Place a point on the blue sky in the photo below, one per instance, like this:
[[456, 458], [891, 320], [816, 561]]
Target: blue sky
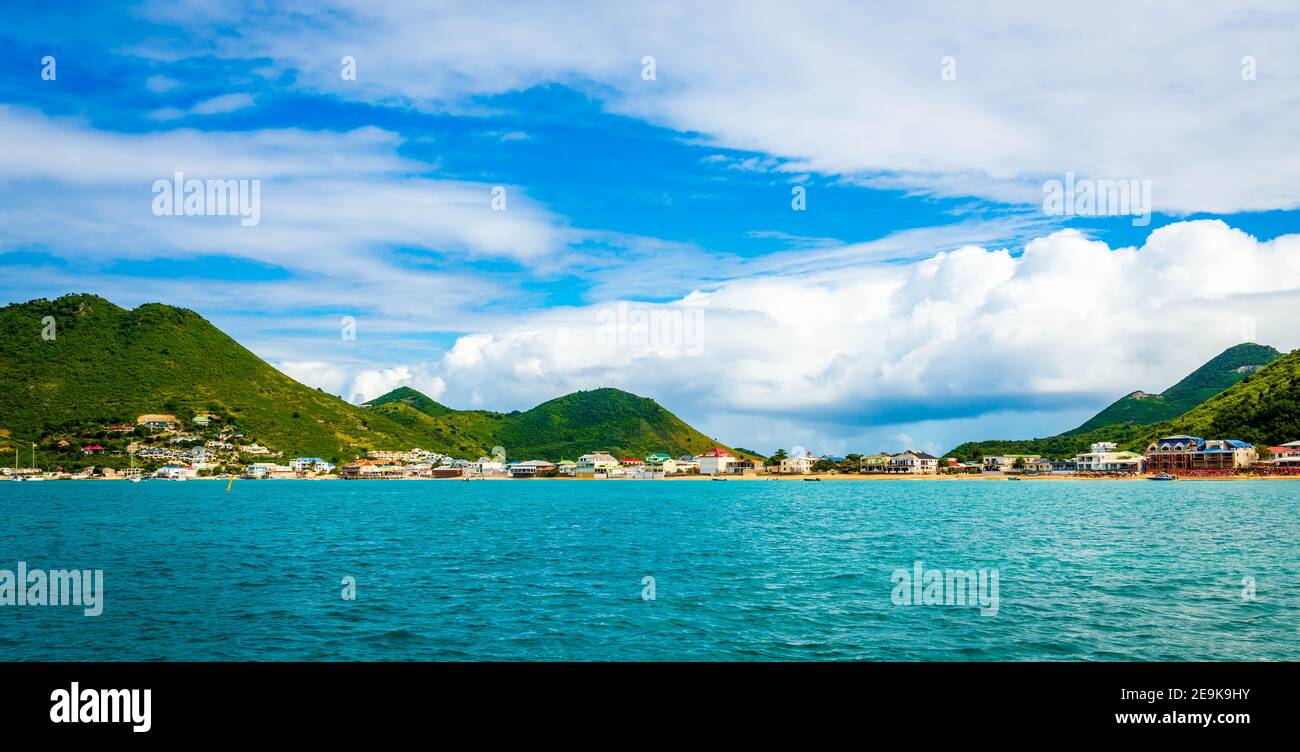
[[923, 297]]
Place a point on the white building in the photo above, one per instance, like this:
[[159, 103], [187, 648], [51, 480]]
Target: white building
[[660, 462], [798, 465], [175, 472], [913, 462], [1103, 457], [1007, 462], [487, 466], [310, 465], [715, 461]]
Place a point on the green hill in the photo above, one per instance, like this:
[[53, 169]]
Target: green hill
[[1229, 367], [107, 365], [1263, 408], [563, 428], [405, 395], [1129, 420]]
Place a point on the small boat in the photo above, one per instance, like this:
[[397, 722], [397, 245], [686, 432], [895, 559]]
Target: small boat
[[812, 478], [716, 478], [1015, 478], [1163, 476]]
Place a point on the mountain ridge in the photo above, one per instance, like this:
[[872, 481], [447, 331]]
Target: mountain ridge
[[99, 364], [1128, 420]]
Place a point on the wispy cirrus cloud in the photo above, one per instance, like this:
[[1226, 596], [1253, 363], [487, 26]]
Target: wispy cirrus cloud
[[839, 89]]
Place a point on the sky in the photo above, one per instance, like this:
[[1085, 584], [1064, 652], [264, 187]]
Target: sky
[[821, 224]]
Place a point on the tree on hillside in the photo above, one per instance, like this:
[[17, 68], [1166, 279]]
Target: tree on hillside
[[776, 457]]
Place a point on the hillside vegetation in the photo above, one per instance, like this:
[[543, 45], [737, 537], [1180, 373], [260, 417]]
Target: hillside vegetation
[[1221, 372], [1131, 419], [1263, 408], [107, 365], [563, 428]]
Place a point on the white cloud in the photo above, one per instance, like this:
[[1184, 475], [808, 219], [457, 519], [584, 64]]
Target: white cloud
[[1106, 90], [327, 198], [1057, 331], [160, 84], [218, 105]]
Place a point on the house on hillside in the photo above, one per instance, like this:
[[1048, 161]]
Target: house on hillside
[[159, 422]]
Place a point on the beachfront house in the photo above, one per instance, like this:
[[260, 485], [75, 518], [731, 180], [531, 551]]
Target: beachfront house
[[746, 467], [914, 462], [530, 468], [875, 463], [798, 464], [1104, 457], [567, 468], [715, 461], [1284, 458], [596, 463], [370, 470], [660, 462], [175, 472], [1008, 463], [1192, 454], [308, 465]]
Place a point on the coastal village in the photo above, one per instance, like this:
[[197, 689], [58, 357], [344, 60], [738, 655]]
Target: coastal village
[[162, 446]]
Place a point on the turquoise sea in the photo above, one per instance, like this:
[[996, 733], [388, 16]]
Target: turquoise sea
[[743, 570]]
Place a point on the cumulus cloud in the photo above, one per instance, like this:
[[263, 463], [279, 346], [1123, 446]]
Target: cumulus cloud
[[1059, 329], [1110, 90]]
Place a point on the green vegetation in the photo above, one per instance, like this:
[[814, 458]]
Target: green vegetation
[[1228, 368], [107, 366], [1129, 421], [1263, 408], [405, 395], [563, 428]]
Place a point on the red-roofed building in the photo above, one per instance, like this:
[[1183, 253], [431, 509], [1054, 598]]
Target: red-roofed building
[[92, 449], [715, 461]]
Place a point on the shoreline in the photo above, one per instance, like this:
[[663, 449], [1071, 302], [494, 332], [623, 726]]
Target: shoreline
[[701, 478]]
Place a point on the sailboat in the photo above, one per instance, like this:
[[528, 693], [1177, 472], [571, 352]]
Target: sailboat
[[133, 474], [16, 476], [38, 475]]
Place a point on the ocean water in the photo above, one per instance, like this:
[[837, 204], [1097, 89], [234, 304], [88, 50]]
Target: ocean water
[[744, 570]]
